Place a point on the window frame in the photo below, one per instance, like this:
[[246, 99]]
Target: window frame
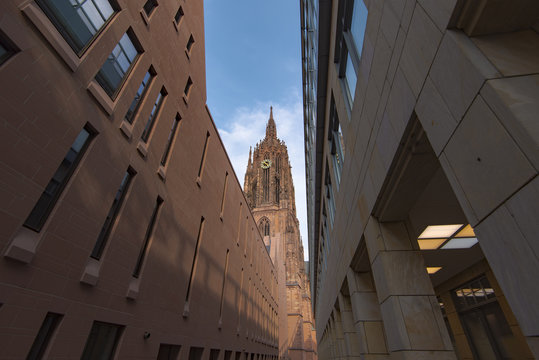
[[92, 133], [9, 47], [130, 120], [118, 336], [45, 8], [140, 50]]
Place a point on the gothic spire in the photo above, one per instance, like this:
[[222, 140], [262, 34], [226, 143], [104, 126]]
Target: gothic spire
[[271, 130]]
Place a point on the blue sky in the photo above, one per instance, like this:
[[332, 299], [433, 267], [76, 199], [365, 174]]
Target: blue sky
[[253, 61]]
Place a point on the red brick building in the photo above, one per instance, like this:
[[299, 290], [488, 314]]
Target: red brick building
[[124, 231]]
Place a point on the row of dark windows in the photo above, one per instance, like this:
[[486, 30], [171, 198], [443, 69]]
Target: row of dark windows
[[79, 22], [103, 340]]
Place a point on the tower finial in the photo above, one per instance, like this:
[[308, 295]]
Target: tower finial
[[271, 130]]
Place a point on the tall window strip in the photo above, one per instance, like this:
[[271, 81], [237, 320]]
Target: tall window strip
[[239, 225], [42, 209], [188, 86], [141, 92], [240, 300], [224, 194], [79, 21], [114, 71], [44, 335], [7, 49], [112, 215], [265, 183], [153, 115], [203, 159], [277, 190], [179, 16], [223, 288], [147, 237], [190, 44], [171, 136], [337, 143], [352, 21], [150, 6], [102, 341], [195, 259]]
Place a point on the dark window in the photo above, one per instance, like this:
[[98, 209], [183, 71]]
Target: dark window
[[78, 21], [150, 6], [223, 288], [113, 213], [179, 15], [188, 86], [130, 115], [56, 185], [44, 335], [153, 115], [120, 61], [195, 353], [190, 43], [228, 355], [337, 142], [7, 49], [168, 352], [171, 136], [195, 258], [214, 354], [102, 341], [149, 232], [224, 193], [202, 160]]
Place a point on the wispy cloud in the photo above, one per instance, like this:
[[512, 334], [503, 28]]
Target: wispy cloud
[[248, 125]]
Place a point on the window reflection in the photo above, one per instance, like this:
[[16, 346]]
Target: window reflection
[[78, 20]]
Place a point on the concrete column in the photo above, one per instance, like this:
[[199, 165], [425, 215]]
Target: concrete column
[[351, 339], [339, 334], [366, 314], [413, 321]]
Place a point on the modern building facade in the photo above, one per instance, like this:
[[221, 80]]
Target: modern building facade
[[124, 231], [269, 190], [424, 192]]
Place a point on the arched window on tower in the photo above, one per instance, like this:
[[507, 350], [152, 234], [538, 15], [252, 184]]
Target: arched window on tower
[[264, 226]]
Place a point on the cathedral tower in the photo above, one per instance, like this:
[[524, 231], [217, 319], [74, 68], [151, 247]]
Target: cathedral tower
[[270, 194]]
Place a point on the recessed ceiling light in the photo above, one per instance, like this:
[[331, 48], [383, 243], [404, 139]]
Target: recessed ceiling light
[[439, 231], [430, 244], [460, 243], [466, 232], [433, 269]]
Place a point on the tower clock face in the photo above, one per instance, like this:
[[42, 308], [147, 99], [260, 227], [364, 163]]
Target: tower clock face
[[265, 164]]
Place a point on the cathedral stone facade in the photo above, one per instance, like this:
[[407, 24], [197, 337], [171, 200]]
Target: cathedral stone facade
[[270, 194]]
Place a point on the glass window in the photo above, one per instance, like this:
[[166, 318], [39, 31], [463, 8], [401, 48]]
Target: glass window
[[44, 335], [78, 20], [175, 123], [179, 15], [102, 341], [190, 43], [351, 78], [149, 232], [359, 23], [168, 352], [153, 114], [111, 216], [129, 116], [118, 64], [6, 51], [56, 185], [188, 86], [195, 353], [150, 6]]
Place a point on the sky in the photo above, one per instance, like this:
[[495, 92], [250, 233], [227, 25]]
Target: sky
[[253, 61]]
